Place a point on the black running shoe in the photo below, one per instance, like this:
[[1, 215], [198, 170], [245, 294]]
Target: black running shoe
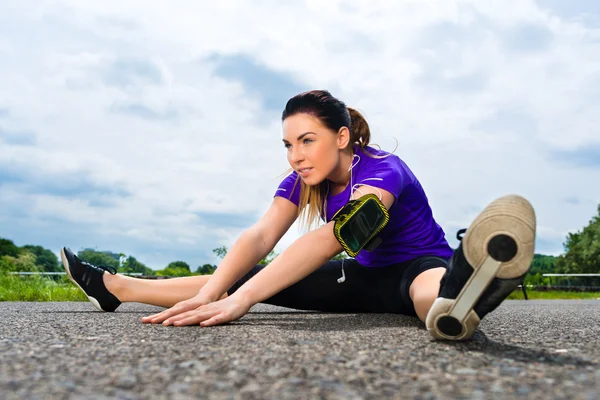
[[88, 278], [491, 261]]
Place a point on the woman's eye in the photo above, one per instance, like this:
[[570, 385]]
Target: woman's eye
[[307, 141], [287, 145]]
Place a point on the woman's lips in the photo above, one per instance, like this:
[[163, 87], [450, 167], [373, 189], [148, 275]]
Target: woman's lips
[[304, 171]]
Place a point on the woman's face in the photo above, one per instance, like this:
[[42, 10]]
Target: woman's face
[[312, 149]]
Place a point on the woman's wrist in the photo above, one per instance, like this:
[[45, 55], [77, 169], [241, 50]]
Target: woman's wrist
[[244, 297], [208, 294]]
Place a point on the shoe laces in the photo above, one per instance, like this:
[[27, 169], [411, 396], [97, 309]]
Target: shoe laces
[[460, 234], [111, 270]]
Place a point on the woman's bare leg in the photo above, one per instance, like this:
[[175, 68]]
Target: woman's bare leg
[[425, 289], [160, 292]]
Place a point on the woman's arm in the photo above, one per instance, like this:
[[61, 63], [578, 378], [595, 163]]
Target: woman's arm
[[304, 256], [252, 246], [300, 259]]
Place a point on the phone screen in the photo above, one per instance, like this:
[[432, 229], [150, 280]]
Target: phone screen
[[358, 229]]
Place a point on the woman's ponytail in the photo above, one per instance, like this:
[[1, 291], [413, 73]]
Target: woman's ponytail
[[359, 128]]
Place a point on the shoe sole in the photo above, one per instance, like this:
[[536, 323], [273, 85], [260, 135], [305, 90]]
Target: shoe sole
[[498, 244], [68, 270]]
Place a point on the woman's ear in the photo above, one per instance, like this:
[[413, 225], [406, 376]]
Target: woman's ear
[[343, 137]]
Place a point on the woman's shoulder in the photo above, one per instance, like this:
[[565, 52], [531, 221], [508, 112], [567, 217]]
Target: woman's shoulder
[[377, 158], [289, 187]]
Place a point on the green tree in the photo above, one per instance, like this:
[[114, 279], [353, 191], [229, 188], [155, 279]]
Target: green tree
[[7, 264], [268, 258], [536, 279], [179, 264], [542, 264], [170, 271], [25, 262], [206, 269], [132, 265], [582, 252], [44, 258], [8, 248], [99, 257], [220, 251]]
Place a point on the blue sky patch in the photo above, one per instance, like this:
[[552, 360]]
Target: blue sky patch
[[126, 72], [550, 247], [72, 185], [22, 138], [571, 9], [228, 220], [141, 111], [274, 88], [528, 38], [431, 79], [507, 120], [588, 157]]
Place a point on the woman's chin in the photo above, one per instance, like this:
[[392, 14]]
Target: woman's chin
[[310, 181]]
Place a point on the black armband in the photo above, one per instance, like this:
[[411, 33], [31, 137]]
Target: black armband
[[358, 223]]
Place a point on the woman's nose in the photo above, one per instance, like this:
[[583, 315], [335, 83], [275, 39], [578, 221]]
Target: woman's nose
[[296, 155]]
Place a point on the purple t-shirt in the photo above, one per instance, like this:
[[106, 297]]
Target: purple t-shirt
[[411, 232]]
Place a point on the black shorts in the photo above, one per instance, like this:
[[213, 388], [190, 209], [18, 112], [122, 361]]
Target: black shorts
[[372, 290]]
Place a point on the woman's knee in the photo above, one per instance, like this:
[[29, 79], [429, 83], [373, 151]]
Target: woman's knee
[[425, 289]]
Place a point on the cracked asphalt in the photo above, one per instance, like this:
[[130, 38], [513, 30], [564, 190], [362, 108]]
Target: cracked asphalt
[[524, 349]]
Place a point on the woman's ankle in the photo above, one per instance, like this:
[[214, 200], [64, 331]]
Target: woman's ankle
[[116, 285]]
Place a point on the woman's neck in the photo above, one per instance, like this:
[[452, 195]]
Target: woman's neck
[[340, 177]]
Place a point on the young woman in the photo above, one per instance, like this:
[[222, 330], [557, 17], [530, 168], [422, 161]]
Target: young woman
[[413, 271]]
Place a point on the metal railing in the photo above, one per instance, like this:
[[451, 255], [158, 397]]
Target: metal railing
[[64, 273], [574, 281], [570, 274]]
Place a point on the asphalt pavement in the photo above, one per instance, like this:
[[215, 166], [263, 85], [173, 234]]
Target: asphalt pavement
[[524, 349]]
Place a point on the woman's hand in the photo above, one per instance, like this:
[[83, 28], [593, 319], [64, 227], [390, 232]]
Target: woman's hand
[[183, 306], [220, 312]]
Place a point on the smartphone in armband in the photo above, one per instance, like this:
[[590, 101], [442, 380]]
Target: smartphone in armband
[[358, 223]]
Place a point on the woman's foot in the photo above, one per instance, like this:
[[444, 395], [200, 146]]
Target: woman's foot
[[89, 278], [490, 262]]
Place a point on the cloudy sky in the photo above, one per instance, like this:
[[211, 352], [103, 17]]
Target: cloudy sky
[[152, 128]]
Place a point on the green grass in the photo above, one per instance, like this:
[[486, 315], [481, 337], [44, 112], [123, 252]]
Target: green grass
[[554, 295], [34, 288]]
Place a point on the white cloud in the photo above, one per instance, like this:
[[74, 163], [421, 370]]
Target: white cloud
[[129, 96]]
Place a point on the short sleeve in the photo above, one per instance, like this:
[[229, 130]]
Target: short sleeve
[[290, 188], [384, 173]]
